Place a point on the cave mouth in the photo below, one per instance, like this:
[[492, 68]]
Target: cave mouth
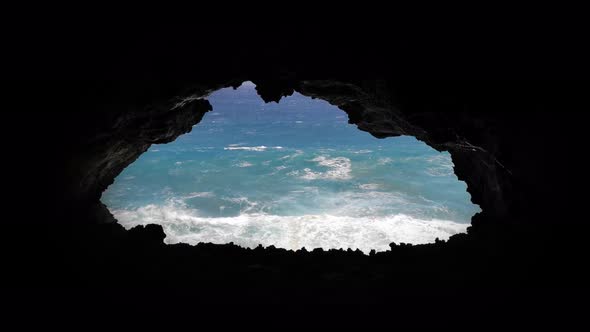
[[293, 175]]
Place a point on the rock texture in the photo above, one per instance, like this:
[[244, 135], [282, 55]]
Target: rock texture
[[516, 143], [526, 238], [103, 157], [372, 105], [476, 122]]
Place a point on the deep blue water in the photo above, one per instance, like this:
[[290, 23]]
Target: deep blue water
[[291, 174]]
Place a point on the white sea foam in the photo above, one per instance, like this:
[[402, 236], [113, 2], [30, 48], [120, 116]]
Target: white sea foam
[[439, 171], [199, 194], [365, 203], [244, 164], [369, 186], [443, 165], [246, 206], [362, 151], [247, 148], [251, 148], [339, 169], [384, 161], [291, 156], [290, 232]]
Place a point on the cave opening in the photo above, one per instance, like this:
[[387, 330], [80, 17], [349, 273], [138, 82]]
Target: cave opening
[[293, 174]]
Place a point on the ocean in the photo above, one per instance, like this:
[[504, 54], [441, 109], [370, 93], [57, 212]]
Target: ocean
[[293, 174]]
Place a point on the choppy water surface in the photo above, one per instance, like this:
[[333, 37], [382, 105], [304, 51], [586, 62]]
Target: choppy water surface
[[293, 174]]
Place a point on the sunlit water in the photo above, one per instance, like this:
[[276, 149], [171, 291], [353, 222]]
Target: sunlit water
[[292, 175]]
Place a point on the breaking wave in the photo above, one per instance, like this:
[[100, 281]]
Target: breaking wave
[[182, 224], [339, 169]]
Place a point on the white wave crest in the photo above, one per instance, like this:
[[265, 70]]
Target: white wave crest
[[199, 194], [246, 205], [247, 148], [369, 186], [290, 232], [339, 169], [291, 156], [384, 161], [443, 165], [259, 148], [362, 151], [244, 164]]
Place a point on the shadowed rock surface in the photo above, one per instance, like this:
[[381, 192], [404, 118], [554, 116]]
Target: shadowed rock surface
[[517, 144]]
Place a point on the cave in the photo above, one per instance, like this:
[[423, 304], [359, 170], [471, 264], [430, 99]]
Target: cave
[[509, 113], [291, 175]]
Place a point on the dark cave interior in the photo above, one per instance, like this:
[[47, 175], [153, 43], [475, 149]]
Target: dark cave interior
[[516, 143], [511, 246]]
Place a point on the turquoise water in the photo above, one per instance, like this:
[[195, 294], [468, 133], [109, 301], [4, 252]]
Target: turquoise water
[[293, 174]]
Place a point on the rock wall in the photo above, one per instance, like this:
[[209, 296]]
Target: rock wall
[[382, 108], [79, 117]]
